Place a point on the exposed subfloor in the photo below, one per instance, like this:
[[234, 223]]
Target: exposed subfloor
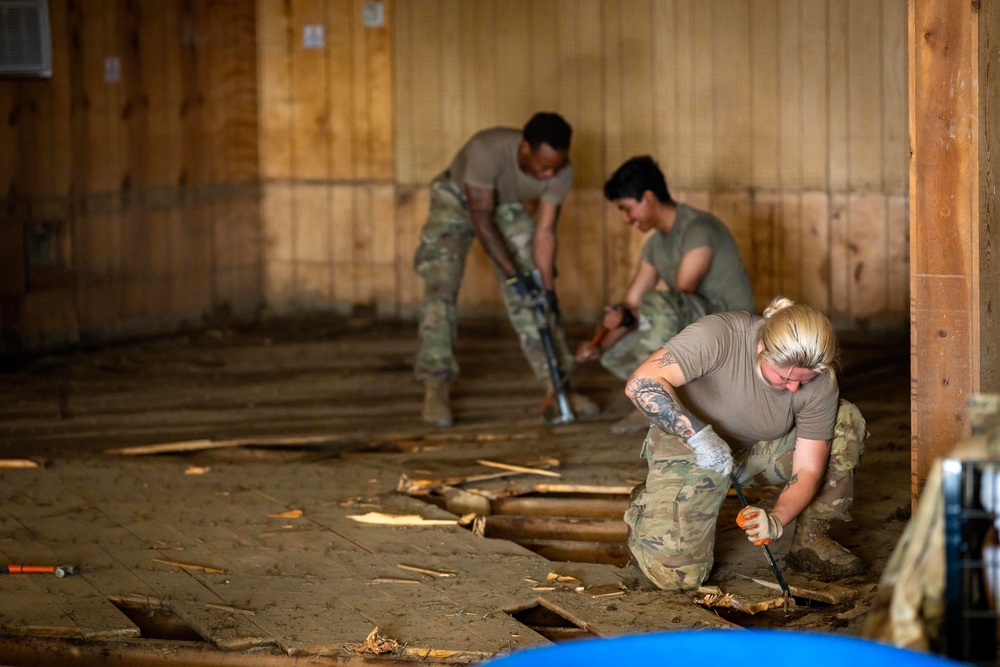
[[243, 544]]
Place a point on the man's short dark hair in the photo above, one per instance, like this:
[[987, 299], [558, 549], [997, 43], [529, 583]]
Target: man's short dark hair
[[634, 177], [548, 128]]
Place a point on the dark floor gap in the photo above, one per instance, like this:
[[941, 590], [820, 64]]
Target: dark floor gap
[[156, 620], [551, 625]]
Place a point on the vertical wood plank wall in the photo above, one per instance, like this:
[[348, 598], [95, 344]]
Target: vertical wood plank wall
[[233, 168], [153, 176], [786, 118]]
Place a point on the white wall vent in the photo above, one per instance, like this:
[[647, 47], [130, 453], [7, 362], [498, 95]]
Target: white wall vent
[[25, 42]]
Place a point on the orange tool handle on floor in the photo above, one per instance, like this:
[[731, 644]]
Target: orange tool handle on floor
[[58, 570]]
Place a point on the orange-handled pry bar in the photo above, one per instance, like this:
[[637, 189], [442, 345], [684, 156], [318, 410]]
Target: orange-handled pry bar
[[58, 570], [770, 557]]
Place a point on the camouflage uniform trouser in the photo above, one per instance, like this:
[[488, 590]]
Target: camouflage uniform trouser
[[440, 260], [662, 314], [672, 517]]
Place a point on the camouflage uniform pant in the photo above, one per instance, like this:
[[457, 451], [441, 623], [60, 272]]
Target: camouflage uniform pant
[[662, 314], [440, 260], [672, 517]]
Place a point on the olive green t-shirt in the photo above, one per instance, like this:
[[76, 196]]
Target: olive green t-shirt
[[489, 160], [727, 284], [717, 355]]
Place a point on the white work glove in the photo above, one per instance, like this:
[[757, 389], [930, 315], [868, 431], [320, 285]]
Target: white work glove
[[761, 526], [711, 451]]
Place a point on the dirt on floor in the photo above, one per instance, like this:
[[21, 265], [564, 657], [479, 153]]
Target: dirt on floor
[[321, 416]]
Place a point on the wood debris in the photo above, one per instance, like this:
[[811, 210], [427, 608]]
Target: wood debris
[[290, 514], [189, 566], [712, 597], [521, 469], [17, 463], [377, 644], [828, 593], [196, 470], [421, 570], [400, 519]]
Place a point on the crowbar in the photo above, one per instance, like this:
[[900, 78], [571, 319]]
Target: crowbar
[[785, 591]]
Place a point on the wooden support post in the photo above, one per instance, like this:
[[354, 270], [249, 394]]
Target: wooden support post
[[953, 171]]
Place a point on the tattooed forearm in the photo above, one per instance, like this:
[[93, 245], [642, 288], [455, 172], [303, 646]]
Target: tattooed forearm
[[792, 480], [656, 403], [666, 359]]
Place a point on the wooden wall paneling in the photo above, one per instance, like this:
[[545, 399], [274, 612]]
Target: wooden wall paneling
[[864, 95], [430, 154], [943, 196], [134, 52], [30, 162], [897, 258], [764, 99], [731, 107], [815, 140], [837, 100], [790, 130], [277, 213], [364, 246], [895, 117], [841, 258], [513, 49], [192, 289], [663, 82], [989, 169], [633, 59], [309, 93], [451, 82], [790, 247], [736, 209], [618, 257], [9, 110], [378, 51], [703, 123], [472, 66], [404, 96], [361, 129], [546, 74], [761, 261], [59, 128], [814, 261], [311, 223], [591, 167], [581, 283], [339, 90], [237, 280], [384, 239], [678, 166], [274, 28], [868, 246], [239, 93], [343, 219], [150, 88], [194, 61]]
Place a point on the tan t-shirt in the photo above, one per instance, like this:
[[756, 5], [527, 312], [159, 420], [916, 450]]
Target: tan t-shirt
[[717, 356], [489, 160]]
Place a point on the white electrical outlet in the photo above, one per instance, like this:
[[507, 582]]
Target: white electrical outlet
[[312, 36], [372, 14], [112, 69]]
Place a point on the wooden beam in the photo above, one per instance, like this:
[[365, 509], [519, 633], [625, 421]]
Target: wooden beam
[[949, 240]]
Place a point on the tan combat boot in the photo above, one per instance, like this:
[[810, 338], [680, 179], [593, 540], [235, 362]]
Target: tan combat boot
[[815, 552], [437, 411], [635, 422]]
